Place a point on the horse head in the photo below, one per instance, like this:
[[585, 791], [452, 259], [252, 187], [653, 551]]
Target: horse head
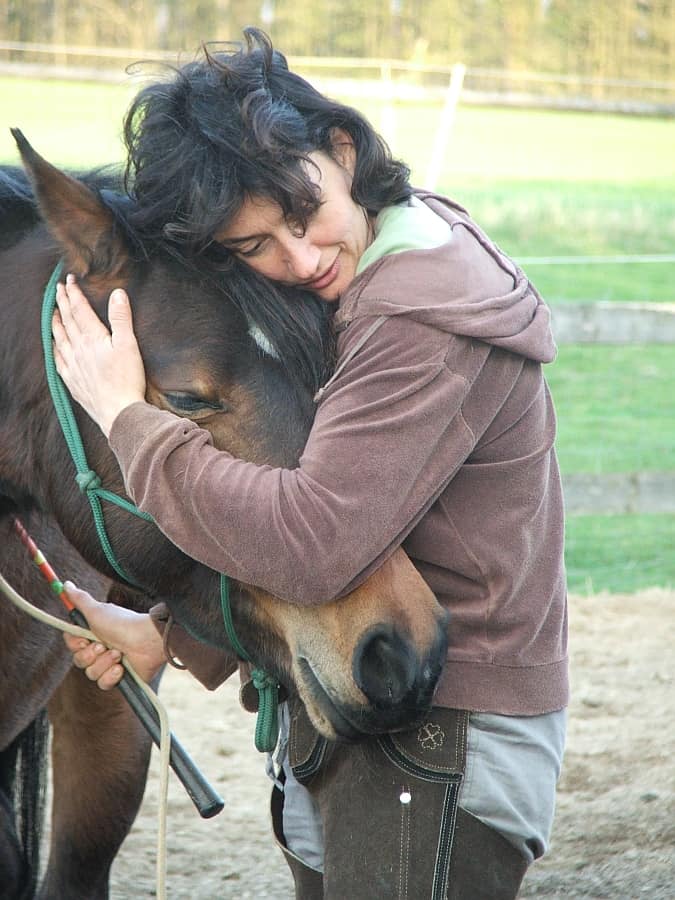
[[365, 663]]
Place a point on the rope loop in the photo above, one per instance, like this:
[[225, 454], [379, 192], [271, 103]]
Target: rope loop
[[88, 481]]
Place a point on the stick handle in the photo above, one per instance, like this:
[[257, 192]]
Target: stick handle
[[204, 797], [201, 793]]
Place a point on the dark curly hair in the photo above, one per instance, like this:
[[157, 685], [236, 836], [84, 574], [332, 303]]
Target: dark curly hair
[[240, 123]]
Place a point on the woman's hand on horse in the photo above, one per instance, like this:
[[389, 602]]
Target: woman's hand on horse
[[103, 370], [130, 633]]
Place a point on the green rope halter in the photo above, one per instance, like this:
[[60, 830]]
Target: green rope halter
[[87, 480], [267, 722], [267, 729]]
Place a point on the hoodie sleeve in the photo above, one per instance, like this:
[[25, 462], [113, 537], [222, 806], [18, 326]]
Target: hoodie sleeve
[[388, 436]]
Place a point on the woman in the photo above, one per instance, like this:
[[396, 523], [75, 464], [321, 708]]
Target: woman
[[436, 432]]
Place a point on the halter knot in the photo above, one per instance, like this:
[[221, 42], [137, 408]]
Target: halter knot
[[267, 723], [88, 481], [262, 681]]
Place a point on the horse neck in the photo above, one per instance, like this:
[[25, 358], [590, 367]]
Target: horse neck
[[28, 425]]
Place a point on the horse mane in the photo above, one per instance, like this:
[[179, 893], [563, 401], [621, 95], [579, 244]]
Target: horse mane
[[296, 323], [16, 193], [14, 186], [18, 212]]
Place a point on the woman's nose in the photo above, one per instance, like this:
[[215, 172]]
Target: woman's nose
[[303, 258]]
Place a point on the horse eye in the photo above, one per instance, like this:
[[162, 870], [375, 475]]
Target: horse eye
[[190, 403]]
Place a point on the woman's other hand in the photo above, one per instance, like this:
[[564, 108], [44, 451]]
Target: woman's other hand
[[129, 633], [102, 370]]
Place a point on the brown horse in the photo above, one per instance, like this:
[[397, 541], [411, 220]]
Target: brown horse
[[207, 358]]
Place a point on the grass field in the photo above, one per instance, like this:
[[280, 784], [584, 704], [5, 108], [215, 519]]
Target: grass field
[[621, 554], [73, 124], [542, 184], [615, 407]]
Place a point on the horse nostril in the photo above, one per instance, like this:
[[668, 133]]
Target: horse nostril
[[385, 667]]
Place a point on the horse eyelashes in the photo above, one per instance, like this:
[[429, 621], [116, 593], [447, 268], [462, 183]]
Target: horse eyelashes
[[189, 403]]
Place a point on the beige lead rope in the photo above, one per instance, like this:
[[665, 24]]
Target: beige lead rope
[[165, 744]]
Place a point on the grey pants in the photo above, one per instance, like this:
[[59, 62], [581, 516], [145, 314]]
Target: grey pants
[[426, 812]]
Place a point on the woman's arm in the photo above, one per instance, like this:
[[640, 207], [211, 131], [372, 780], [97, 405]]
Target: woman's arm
[[387, 438]]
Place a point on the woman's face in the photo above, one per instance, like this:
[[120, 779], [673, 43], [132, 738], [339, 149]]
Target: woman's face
[[324, 258]]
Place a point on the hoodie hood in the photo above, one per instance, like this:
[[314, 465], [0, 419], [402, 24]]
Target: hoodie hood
[[465, 286]]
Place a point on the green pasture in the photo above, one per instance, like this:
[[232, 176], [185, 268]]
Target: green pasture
[[576, 218], [542, 184], [73, 124], [615, 407], [615, 414], [620, 554]]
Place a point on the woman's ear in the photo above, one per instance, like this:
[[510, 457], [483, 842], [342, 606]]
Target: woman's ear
[[342, 149]]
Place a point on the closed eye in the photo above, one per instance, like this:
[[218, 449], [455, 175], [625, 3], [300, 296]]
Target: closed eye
[[191, 403], [251, 249], [246, 246]]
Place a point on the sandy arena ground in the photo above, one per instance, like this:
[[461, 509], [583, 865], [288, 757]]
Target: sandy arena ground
[[615, 829]]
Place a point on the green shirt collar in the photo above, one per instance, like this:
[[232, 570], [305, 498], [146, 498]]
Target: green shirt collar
[[409, 226]]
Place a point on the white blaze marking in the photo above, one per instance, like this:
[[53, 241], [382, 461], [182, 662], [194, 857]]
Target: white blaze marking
[[263, 341]]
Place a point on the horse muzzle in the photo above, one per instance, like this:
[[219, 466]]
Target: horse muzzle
[[391, 674], [392, 689]]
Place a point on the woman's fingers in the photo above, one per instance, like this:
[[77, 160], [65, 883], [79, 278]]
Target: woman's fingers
[[96, 659], [61, 343], [105, 669], [75, 643], [63, 306], [99, 663], [110, 678], [58, 331], [133, 633], [102, 369], [76, 311], [121, 320]]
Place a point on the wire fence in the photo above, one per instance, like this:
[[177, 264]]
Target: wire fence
[[597, 260], [382, 79]]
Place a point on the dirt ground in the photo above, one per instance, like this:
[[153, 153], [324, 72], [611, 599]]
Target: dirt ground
[[615, 828]]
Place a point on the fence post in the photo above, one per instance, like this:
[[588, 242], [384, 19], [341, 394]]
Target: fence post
[[445, 126]]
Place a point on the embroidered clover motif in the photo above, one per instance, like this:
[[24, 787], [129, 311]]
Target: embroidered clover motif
[[431, 736]]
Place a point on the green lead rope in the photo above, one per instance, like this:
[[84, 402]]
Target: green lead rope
[[267, 727], [87, 480], [267, 722]]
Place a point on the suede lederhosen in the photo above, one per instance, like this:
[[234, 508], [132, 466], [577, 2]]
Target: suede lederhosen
[[391, 820]]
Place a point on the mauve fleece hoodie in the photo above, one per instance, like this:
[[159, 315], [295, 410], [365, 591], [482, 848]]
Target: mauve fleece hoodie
[[436, 434]]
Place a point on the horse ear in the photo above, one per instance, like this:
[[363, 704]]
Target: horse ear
[[75, 215]]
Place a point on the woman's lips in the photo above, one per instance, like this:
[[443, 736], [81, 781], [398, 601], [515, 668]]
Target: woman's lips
[[328, 277]]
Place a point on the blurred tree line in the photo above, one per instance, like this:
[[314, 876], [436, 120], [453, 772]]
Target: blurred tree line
[[600, 38]]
